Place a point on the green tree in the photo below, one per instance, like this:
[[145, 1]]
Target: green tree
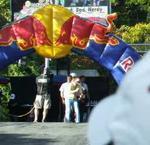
[[29, 66], [4, 101], [5, 15], [135, 34], [132, 11]]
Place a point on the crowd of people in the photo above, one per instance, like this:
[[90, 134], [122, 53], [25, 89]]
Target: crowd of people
[[73, 93]]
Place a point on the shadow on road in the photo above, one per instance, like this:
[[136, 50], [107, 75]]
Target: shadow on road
[[22, 139]]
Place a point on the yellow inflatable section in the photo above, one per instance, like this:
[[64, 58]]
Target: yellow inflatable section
[[54, 18]]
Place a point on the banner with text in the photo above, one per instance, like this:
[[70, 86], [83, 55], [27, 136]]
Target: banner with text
[[91, 11], [82, 8]]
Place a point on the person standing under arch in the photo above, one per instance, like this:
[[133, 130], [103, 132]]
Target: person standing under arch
[[42, 100], [70, 92], [84, 99]]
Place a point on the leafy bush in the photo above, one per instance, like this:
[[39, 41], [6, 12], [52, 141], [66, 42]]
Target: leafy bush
[[5, 12], [4, 113], [140, 33], [4, 116]]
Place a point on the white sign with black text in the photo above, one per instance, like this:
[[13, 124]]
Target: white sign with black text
[[97, 11]]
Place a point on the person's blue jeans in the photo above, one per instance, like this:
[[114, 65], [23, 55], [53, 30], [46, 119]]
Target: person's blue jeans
[[72, 104]]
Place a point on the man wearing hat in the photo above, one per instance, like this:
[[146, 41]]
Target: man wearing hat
[[71, 91]]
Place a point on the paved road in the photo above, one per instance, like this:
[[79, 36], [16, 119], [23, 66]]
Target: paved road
[[28, 133]]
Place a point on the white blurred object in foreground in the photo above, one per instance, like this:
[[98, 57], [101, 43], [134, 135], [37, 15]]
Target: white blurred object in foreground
[[124, 118]]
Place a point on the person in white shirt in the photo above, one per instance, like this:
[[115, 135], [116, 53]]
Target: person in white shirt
[[70, 92], [63, 89]]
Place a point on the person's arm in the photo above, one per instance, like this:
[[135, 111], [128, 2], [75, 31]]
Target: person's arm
[[74, 88], [62, 93], [79, 93], [62, 98], [74, 91]]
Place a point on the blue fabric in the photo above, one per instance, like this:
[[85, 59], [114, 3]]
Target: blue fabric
[[118, 71], [112, 53], [112, 56], [9, 54], [94, 50]]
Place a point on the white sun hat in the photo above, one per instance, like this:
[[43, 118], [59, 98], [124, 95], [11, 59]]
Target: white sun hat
[[73, 74]]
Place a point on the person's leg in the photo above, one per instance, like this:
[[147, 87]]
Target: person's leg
[[37, 106], [81, 111], [36, 114], [85, 113], [77, 112], [45, 112], [67, 110], [46, 106]]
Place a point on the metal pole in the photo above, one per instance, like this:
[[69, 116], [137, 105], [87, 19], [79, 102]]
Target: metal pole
[[46, 65], [46, 62]]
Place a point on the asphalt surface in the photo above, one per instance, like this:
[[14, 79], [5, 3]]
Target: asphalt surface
[[28, 133]]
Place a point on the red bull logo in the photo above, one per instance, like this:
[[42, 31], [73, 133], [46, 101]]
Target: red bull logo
[[80, 32], [65, 32], [127, 64], [28, 33], [53, 35], [75, 32]]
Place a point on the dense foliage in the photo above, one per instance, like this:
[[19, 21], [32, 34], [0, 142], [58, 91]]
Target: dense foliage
[[139, 33], [4, 102], [131, 12], [5, 15]]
